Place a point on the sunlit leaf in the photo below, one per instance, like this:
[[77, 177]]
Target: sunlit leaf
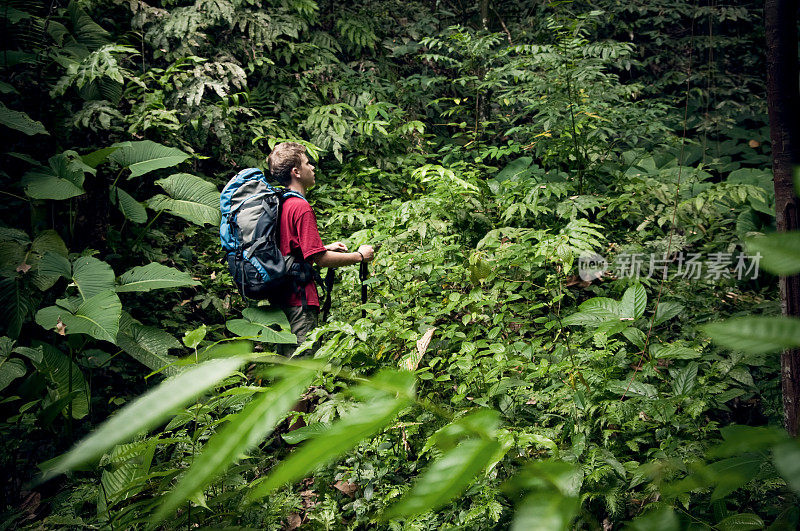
[[242, 432], [146, 412]]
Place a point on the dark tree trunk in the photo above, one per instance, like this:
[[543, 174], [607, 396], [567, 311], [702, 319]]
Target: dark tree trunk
[[783, 98]]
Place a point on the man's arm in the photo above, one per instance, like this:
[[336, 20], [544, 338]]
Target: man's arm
[[336, 259]]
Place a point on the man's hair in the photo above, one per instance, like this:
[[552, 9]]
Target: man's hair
[[284, 157]]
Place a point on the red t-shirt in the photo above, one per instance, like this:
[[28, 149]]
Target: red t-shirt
[[300, 237]]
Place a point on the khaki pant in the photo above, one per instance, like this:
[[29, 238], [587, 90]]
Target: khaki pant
[[302, 322]]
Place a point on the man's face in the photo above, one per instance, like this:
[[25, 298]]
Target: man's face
[[306, 173]]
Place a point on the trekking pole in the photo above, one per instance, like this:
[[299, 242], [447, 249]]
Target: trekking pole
[[326, 306], [363, 274]]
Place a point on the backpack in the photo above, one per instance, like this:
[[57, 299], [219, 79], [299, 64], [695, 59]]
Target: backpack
[[249, 233]]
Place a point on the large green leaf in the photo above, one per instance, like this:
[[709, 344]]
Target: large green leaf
[[130, 207], [125, 471], [545, 511], [148, 345], [144, 156], [733, 473], [47, 242], [55, 365], [92, 276], [663, 519], [257, 325], [780, 252], [740, 522], [447, 477], [190, 198], [17, 305], [145, 412], [20, 121], [243, 431], [633, 303], [361, 422], [98, 317], [10, 370], [787, 461], [756, 335], [62, 179], [154, 276]]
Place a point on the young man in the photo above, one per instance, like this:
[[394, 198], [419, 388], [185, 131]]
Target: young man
[[288, 164]]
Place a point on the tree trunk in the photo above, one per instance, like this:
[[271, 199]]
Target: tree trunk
[[783, 99]]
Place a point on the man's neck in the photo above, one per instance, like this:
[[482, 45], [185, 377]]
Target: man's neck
[[297, 187]]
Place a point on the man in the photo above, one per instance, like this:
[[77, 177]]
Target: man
[[299, 236]]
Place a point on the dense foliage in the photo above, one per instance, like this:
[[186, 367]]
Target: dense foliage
[[484, 149]]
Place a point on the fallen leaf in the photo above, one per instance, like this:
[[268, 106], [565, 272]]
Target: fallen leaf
[[187, 301], [345, 487], [293, 521], [23, 268], [61, 328], [213, 275], [754, 144]]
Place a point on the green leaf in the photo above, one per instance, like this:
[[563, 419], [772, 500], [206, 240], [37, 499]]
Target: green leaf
[[739, 439], [148, 345], [190, 198], [130, 207], [667, 310], [145, 412], [17, 305], [733, 473], [446, 478], [740, 522], [635, 336], [787, 461], [602, 307], [193, 338], [243, 431], [92, 276], [311, 431], [550, 474], [96, 158], [97, 317], [55, 365], [663, 519], [154, 276], [634, 302], [10, 370], [683, 380], [257, 325], [756, 335], [62, 179], [780, 252], [361, 422], [545, 511], [144, 156], [125, 474], [55, 265], [19, 121]]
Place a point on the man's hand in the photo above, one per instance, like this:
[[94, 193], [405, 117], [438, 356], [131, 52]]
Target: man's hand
[[338, 247], [367, 252]]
